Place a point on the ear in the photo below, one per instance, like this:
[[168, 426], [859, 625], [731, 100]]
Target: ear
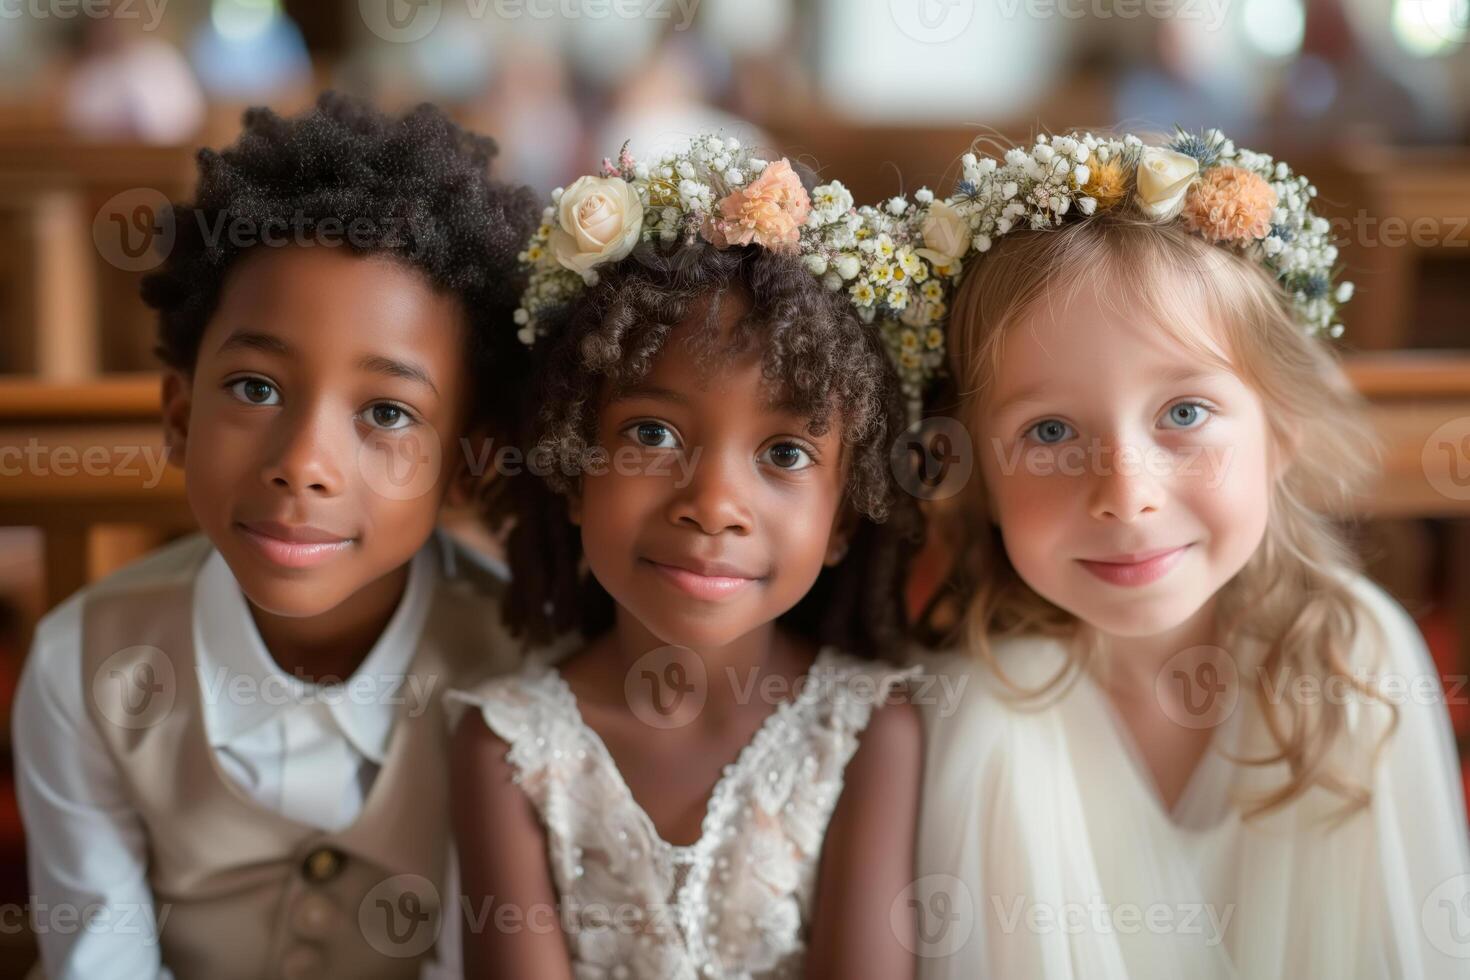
[[1284, 449], [178, 400], [464, 480], [844, 526], [574, 505]]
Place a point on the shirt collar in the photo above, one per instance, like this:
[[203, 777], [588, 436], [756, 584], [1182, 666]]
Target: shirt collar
[[242, 687]]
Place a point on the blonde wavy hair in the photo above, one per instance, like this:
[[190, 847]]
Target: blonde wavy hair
[[1294, 588]]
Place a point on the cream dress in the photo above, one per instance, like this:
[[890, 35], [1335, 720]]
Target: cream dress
[[1045, 852], [737, 903]]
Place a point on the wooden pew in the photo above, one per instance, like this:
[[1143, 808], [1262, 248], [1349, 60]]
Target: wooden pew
[[69, 217]]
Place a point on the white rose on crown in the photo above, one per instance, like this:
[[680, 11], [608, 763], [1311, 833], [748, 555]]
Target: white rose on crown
[[599, 220], [1164, 177]]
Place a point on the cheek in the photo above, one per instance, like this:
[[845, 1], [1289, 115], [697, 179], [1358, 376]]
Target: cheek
[[613, 508], [1032, 510], [1232, 498]]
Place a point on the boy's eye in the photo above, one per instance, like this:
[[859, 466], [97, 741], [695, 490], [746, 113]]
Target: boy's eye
[[255, 391], [653, 435], [1186, 415], [386, 415], [1050, 431], [789, 456]]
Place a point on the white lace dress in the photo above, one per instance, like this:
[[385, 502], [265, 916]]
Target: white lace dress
[[737, 902]]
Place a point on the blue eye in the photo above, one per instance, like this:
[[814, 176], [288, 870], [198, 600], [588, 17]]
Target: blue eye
[[255, 391], [789, 456], [388, 416], [652, 435], [1186, 415], [1049, 432]]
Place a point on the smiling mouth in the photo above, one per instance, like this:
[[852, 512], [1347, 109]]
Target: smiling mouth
[[1137, 568], [294, 545], [707, 581]]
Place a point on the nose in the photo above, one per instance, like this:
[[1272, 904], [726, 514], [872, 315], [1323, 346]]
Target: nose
[[714, 499], [1124, 489], [304, 459]]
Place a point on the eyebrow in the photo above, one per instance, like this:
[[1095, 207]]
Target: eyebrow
[[654, 392], [253, 340], [1180, 375], [394, 368]]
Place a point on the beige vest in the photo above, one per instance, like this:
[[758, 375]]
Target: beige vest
[[244, 893]]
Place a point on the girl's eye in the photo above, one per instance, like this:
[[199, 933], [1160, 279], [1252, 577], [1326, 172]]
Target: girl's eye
[[789, 456], [653, 435], [386, 415], [1050, 431], [255, 391], [1186, 415]]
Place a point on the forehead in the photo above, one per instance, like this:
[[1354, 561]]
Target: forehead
[[1091, 333], [329, 301]]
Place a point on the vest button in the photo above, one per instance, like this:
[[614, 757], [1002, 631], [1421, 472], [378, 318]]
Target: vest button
[[315, 916], [301, 962], [323, 864]]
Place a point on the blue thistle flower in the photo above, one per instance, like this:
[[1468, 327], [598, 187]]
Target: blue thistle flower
[[1197, 145]]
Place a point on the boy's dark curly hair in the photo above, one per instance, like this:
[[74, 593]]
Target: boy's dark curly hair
[[417, 188], [814, 351]]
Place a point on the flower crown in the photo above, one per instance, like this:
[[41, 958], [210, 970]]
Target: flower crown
[[717, 191], [1232, 197]]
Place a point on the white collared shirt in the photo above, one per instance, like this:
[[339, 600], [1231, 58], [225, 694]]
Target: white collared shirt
[[307, 752]]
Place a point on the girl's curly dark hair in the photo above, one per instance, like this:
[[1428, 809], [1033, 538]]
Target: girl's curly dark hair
[[416, 187], [814, 350]]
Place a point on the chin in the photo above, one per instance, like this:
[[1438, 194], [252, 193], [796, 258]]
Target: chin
[[1139, 619], [694, 634]]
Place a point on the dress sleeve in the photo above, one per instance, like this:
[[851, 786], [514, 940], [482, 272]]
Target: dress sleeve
[[1419, 807]]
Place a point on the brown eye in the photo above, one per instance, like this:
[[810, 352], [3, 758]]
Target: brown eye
[[255, 391], [386, 415], [652, 435], [789, 456]]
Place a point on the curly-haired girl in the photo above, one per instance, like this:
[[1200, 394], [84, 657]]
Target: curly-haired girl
[[704, 779]]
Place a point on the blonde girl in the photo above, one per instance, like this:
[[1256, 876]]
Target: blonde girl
[[1194, 740]]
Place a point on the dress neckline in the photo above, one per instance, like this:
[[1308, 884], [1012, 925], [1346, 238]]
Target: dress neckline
[[730, 775]]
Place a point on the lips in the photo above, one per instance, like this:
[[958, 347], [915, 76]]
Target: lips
[[294, 545], [704, 580], [1137, 567]]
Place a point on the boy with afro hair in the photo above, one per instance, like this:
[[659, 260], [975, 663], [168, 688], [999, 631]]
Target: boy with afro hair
[[231, 754]]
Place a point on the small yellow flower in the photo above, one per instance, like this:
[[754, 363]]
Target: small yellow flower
[[863, 294], [935, 338], [909, 360], [1107, 183], [534, 252], [932, 291], [885, 245], [910, 262], [909, 340], [882, 272]]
